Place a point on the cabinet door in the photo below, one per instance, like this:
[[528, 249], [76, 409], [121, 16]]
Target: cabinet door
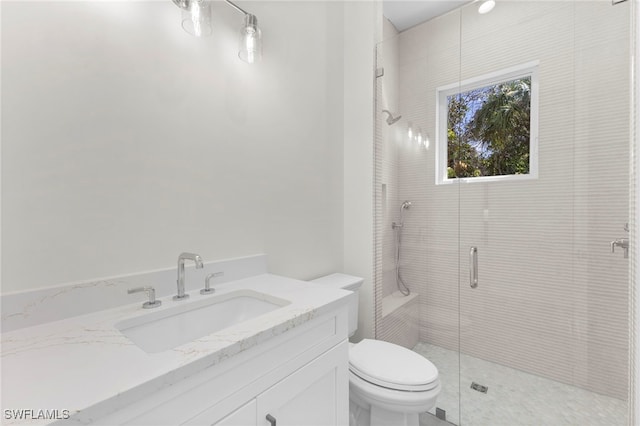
[[243, 416], [315, 395]]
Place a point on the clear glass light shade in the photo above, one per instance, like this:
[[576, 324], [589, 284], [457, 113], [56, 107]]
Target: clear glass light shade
[[196, 18], [250, 49]]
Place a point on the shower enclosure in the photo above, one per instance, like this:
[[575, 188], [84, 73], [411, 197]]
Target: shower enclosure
[[513, 146]]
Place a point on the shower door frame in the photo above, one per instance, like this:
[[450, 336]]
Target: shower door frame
[[634, 275]]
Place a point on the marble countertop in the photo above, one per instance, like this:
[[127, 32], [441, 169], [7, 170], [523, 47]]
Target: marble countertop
[[77, 363]]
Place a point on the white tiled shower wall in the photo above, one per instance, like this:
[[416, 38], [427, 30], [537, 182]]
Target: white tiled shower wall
[[401, 325], [552, 299]]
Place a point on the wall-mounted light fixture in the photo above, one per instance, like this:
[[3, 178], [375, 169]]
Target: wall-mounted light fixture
[[196, 16], [196, 20], [250, 49], [486, 6]]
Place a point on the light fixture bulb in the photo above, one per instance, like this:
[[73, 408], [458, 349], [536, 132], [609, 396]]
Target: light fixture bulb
[[182, 4], [250, 49], [196, 18], [486, 6], [426, 142], [419, 137], [409, 131]]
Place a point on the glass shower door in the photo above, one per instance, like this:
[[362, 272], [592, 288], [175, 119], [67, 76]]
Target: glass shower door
[[539, 124], [423, 252]]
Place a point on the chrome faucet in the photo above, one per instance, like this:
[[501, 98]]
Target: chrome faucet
[[184, 256]]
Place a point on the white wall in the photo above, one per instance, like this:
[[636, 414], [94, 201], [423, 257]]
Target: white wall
[[126, 141]]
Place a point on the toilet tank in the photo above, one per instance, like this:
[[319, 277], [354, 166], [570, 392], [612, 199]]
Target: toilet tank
[[345, 282]]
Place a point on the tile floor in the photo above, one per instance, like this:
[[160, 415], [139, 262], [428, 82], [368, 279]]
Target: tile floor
[[514, 398]]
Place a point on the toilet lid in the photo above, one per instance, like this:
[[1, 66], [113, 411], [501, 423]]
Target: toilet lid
[[392, 366]]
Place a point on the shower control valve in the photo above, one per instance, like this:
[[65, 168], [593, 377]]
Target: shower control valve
[[621, 242]]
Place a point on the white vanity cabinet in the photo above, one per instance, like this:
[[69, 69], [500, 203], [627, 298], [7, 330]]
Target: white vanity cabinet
[[313, 395], [299, 377], [243, 416], [310, 396]]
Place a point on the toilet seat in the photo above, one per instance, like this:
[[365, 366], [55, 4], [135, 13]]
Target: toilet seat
[[391, 366]]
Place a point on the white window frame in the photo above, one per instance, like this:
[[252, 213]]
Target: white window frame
[[529, 69]]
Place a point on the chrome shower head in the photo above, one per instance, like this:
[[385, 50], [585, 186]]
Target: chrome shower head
[[391, 119], [405, 205]]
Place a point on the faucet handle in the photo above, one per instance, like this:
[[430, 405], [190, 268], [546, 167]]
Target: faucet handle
[[207, 283], [151, 292]]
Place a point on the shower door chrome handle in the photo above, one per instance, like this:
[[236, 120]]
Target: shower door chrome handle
[[473, 267]]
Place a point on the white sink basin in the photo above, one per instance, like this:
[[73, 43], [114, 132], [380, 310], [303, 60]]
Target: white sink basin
[[175, 326]]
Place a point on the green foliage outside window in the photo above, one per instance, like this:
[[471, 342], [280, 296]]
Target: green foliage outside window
[[488, 131]]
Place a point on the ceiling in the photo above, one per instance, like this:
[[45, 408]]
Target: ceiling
[[405, 14]]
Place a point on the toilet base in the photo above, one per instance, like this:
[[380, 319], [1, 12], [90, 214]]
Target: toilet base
[[372, 405], [362, 414], [382, 417], [359, 415]]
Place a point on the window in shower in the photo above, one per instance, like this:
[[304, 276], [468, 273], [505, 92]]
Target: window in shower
[[487, 127]]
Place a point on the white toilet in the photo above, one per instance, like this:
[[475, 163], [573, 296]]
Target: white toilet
[[389, 385]]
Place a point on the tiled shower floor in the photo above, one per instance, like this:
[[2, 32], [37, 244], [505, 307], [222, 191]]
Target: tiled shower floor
[[514, 398]]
